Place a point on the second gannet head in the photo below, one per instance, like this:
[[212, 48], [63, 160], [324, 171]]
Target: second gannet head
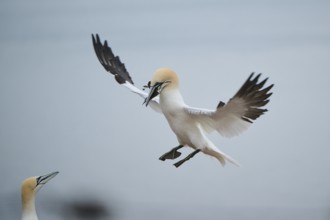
[[30, 187], [163, 78]]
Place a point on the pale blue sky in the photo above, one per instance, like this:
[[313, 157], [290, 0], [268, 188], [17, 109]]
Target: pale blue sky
[[61, 111]]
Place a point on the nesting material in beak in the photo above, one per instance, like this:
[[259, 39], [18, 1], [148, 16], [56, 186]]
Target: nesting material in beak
[[155, 90]]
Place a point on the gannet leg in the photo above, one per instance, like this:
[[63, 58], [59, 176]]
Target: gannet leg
[[172, 154], [179, 163]]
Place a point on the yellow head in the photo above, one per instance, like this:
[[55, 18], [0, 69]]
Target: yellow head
[[162, 78], [165, 75], [30, 187]]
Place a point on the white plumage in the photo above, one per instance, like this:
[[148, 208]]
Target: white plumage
[[191, 124]]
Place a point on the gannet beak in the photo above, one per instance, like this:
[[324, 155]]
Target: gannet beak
[[153, 92], [41, 180]]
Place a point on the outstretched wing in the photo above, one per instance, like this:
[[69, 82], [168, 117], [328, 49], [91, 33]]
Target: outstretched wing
[[113, 65], [238, 114]]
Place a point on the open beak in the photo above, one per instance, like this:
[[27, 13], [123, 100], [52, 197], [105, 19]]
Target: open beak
[[153, 93], [41, 180]]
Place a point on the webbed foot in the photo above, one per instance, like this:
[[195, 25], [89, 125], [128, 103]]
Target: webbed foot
[[172, 154]]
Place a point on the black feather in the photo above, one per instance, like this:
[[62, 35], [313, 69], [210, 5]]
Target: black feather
[[254, 96], [110, 62]]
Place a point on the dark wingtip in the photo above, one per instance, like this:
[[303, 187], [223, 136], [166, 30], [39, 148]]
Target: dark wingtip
[[109, 61], [221, 104], [96, 38], [255, 96]]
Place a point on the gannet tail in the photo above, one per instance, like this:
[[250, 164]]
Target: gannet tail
[[222, 157]]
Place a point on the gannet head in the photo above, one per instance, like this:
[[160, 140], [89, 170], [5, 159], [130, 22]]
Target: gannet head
[[162, 78], [31, 186]]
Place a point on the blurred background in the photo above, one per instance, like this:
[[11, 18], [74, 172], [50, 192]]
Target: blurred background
[[60, 110]]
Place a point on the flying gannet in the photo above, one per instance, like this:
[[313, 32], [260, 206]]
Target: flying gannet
[[191, 124], [30, 187]]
